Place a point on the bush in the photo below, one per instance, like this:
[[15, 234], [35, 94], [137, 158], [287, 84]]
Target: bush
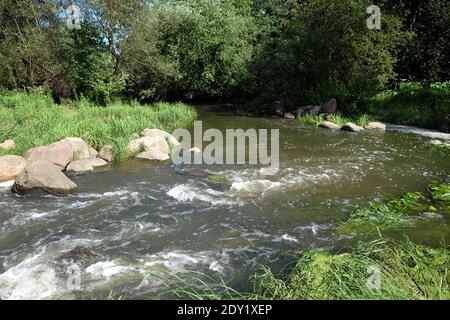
[[426, 106]]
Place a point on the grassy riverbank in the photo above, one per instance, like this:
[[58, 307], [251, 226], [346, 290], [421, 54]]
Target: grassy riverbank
[[424, 106], [413, 104], [379, 269], [34, 120]]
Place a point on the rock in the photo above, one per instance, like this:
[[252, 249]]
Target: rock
[[276, 108], [7, 145], [289, 116], [195, 172], [154, 143], [160, 133], [85, 165], [375, 126], [349, 126], [11, 167], [330, 125], [93, 153], [329, 107], [106, 153], [81, 256], [315, 110], [153, 155], [219, 182], [303, 110], [43, 177], [60, 153]]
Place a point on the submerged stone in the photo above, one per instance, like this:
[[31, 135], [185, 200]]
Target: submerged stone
[[195, 172], [219, 182]]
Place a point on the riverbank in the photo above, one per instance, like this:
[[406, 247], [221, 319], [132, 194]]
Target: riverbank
[[33, 120], [382, 268]]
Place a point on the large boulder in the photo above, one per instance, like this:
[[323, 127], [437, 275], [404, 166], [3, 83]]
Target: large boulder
[[60, 153], [316, 110], [330, 125], [303, 110], [153, 155], [11, 167], [43, 177], [162, 134], [276, 108], [375, 126], [85, 165], [106, 153], [153, 143], [7, 145], [329, 107], [349, 126]]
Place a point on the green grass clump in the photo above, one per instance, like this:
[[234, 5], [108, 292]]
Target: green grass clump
[[406, 271], [33, 120], [440, 191], [386, 214], [337, 118]]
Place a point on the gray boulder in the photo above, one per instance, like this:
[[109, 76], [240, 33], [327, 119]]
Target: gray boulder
[[60, 153], [11, 167], [155, 143], [329, 107], [330, 125], [351, 127], [43, 177], [375, 126], [85, 165], [106, 153], [153, 155], [161, 134], [289, 116]]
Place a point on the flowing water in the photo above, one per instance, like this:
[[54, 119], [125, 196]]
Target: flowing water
[[150, 225]]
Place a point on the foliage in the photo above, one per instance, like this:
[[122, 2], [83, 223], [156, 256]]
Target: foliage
[[325, 50], [388, 214], [440, 191], [426, 106], [35, 120], [407, 271]]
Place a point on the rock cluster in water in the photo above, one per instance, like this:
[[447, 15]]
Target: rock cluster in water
[[279, 109], [42, 169], [351, 127]]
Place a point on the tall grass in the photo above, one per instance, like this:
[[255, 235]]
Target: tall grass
[[33, 120], [337, 118], [406, 271], [413, 104]]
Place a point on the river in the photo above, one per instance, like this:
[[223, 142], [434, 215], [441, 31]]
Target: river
[[153, 229]]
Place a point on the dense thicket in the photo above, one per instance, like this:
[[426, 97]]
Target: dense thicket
[[298, 51]]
